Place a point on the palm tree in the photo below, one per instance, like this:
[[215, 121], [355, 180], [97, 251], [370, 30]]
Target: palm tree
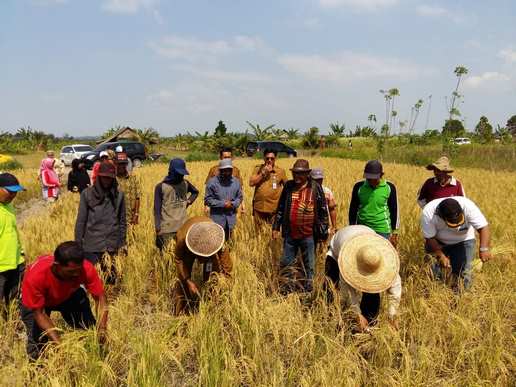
[[337, 129], [415, 109], [260, 133], [291, 133], [148, 136]]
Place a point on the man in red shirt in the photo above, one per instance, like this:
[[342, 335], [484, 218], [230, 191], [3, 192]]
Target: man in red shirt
[[53, 283], [302, 217], [443, 185]]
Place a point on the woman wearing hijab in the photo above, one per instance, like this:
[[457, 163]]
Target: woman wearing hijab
[[101, 222], [171, 201], [49, 180], [78, 178]]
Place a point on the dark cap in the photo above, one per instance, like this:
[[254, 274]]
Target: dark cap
[[451, 212], [373, 170], [10, 183], [178, 166], [107, 169], [301, 165]]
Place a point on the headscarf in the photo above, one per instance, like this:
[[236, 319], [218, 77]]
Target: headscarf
[[98, 193], [47, 167]]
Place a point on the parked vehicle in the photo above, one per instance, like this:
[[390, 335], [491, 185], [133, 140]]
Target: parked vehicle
[[461, 141], [75, 151], [135, 151], [259, 146]]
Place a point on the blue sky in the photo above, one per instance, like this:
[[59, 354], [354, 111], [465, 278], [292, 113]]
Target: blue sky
[[82, 66]]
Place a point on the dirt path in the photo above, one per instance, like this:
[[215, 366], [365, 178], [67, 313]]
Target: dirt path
[[29, 209]]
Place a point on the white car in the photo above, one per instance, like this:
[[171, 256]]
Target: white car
[[75, 151], [461, 141]]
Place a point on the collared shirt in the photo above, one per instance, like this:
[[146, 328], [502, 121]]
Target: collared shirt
[[434, 227], [218, 192], [131, 187], [302, 213], [432, 190], [268, 191], [375, 207], [10, 246], [214, 171], [354, 295]]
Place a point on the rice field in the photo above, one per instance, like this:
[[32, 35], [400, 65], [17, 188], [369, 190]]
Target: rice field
[[246, 334]]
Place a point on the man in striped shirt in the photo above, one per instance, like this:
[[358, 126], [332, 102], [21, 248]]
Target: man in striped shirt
[[374, 203]]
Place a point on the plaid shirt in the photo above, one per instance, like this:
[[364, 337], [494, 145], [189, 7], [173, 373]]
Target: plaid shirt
[[131, 187], [302, 214]]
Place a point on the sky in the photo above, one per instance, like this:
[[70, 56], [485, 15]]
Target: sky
[[82, 66]]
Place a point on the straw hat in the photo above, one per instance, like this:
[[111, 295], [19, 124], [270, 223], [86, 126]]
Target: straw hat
[[205, 238], [442, 164], [369, 263]]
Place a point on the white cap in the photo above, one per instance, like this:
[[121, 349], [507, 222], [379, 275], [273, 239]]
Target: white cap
[[104, 153], [119, 149]]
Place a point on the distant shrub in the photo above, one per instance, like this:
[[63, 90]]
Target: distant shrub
[[8, 163], [201, 156]]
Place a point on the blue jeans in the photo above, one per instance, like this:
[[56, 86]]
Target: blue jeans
[[385, 235], [290, 248], [461, 258]]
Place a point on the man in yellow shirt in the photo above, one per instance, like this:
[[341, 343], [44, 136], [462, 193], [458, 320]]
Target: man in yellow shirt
[[11, 254]]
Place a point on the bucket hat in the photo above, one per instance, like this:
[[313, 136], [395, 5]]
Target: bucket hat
[[225, 164], [442, 164], [178, 166], [369, 263], [205, 238]]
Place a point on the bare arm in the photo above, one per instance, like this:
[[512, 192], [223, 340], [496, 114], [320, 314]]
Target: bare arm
[[485, 239], [46, 324]]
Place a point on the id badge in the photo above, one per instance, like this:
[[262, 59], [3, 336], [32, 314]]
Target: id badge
[[209, 266], [274, 185]]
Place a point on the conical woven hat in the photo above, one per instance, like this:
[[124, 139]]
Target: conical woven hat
[[369, 263], [205, 238]]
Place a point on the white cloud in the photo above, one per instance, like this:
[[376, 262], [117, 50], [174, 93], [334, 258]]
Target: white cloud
[[349, 66], [197, 50], [487, 79], [508, 55], [437, 11], [128, 6], [365, 5]]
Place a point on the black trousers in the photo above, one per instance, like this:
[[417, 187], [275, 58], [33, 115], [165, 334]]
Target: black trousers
[[76, 311], [107, 264], [370, 304], [10, 286]]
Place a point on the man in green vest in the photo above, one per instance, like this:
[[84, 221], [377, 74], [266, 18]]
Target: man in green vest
[[374, 203]]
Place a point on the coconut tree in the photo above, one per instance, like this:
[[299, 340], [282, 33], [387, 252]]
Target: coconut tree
[[291, 133], [148, 136]]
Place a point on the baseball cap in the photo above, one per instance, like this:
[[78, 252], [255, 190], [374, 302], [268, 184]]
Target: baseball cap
[[103, 154], [107, 169], [451, 212], [178, 166], [225, 164], [317, 173], [10, 183], [119, 149], [373, 169]]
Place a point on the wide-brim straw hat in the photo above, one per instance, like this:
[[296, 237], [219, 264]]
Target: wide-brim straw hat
[[442, 164], [369, 263], [205, 238]]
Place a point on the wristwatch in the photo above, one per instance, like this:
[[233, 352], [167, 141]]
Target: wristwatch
[[483, 249]]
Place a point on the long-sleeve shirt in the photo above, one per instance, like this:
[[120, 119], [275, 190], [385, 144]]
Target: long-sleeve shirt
[[10, 246], [218, 192], [393, 296], [170, 203], [375, 207]]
